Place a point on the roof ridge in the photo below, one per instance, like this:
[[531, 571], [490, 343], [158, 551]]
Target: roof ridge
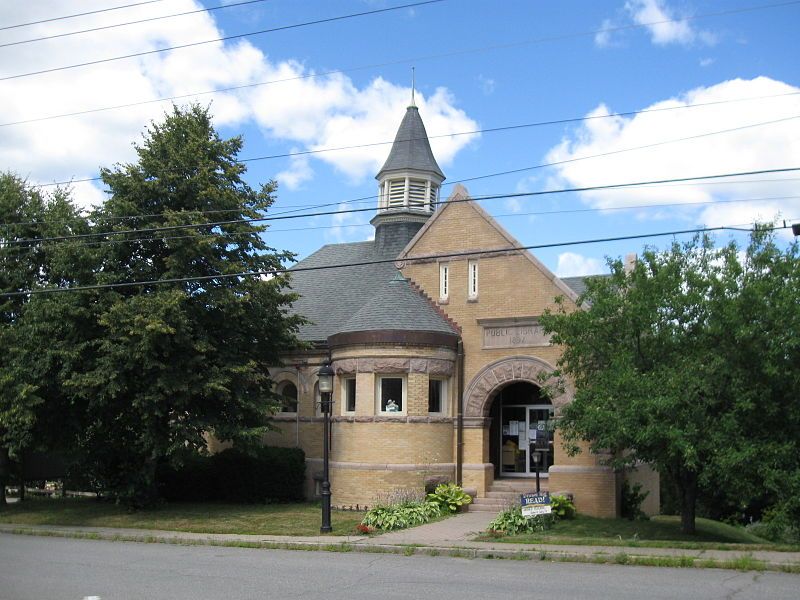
[[418, 289]]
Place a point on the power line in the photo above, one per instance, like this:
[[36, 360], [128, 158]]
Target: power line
[[381, 65], [223, 39], [273, 272], [223, 234], [355, 210], [348, 225], [539, 166], [126, 23], [83, 14]]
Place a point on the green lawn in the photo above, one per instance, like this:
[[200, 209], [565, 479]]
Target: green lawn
[[270, 519], [659, 531]]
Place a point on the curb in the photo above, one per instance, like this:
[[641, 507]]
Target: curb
[[744, 562]]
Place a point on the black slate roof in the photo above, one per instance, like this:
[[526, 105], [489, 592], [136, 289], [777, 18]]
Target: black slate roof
[[330, 298], [397, 306], [411, 149], [578, 284]]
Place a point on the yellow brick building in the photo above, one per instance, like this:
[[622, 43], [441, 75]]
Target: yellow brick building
[[432, 330]]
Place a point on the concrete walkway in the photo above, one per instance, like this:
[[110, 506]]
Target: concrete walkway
[[450, 536]]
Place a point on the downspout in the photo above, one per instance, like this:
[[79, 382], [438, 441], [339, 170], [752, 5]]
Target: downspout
[[460, 417]]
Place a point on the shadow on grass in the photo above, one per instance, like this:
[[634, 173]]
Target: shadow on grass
[[297, 519]]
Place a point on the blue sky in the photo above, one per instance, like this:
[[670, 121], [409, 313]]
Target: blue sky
[[479, 64]]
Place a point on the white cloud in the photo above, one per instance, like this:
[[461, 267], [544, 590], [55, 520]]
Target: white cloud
[[603, 37], [571, 264], [487, 84], [297, 174], [310, 113], [766, 147], [660, 22], [706, 62]]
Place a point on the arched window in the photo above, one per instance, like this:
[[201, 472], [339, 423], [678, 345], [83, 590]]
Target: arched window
[[288, 390]]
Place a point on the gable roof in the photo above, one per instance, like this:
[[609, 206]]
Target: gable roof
[[411, 149], [461, 195]]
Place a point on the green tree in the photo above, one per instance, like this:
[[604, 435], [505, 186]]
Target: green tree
[[29, 214], [674, 363], [153, 369]]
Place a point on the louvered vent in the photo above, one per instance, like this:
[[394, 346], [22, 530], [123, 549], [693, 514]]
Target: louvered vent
[[397, 192], [417, 189]]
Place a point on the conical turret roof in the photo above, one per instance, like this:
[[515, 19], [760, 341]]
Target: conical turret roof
[[397, 307], [411, 149]]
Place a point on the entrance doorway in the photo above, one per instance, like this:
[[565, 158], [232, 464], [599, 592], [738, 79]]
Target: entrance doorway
[[521, 432]]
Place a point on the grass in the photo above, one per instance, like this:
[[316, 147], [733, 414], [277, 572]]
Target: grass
[[658, 532], [258, 519]]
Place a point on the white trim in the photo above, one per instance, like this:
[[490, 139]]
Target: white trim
[[444, 396], [403, 400], [444, 281], [472, 279], [343, 394]]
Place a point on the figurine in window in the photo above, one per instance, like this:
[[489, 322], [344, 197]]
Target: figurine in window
[[391, 406]]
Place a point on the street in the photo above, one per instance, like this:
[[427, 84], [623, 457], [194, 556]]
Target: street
[[44, 567]]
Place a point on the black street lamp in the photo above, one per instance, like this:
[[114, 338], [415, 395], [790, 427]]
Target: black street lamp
[[325, 375], [537, 457]]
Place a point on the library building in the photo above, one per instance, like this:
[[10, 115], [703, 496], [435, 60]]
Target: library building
[[432, 331]]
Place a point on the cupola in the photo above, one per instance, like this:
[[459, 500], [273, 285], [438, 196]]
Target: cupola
[[409, 181]]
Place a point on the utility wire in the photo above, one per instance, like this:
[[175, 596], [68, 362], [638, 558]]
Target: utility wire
[[296, 269], [224, 235], [355, 210], [83, 14], [551, 212], [375, 66], [224, 39], [539, 166], [126, 23]]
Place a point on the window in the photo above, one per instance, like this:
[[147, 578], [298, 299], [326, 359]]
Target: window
[[472, 279], [289, 392], [349, 394], [444, 280], [391, 394], [437, 396]]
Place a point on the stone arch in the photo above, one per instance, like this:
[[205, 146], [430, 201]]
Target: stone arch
[[490, 379]]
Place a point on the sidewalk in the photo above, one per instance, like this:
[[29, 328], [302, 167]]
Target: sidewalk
[[449, 537]]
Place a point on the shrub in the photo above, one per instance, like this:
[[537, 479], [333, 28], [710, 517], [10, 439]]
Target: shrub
[[563, 507], [267, 474], [449, 497], [511, 522], [631, 501], [401, 509]]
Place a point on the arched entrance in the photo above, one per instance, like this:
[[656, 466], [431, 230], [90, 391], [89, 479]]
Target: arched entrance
[[521, 431], [509, 390]]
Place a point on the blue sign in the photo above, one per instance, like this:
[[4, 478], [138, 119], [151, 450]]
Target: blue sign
[[532, 499]]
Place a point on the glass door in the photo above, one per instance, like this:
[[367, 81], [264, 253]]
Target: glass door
[[514, 441], [540, 440]]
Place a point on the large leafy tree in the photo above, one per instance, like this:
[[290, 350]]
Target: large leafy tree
[[689, 361], [163, 365], [27, 214]]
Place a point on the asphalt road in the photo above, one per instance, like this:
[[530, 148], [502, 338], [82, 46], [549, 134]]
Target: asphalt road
[[41, 568]]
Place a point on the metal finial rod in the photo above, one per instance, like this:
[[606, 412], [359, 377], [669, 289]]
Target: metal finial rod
[[413, 87]]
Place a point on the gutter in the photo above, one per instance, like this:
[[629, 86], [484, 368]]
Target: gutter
[[460, 416]]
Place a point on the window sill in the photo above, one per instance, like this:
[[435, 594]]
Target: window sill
[[472, 300], [443, 301]]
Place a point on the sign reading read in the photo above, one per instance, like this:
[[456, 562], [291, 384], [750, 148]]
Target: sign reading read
[[535, 504]]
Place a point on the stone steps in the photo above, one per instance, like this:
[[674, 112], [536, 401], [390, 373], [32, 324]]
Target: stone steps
[[505, 492]]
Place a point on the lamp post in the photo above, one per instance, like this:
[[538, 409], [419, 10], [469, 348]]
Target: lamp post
[[537, 456], [325, 375]]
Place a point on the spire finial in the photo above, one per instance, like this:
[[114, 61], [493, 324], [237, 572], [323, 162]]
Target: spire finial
[[413, 87]]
